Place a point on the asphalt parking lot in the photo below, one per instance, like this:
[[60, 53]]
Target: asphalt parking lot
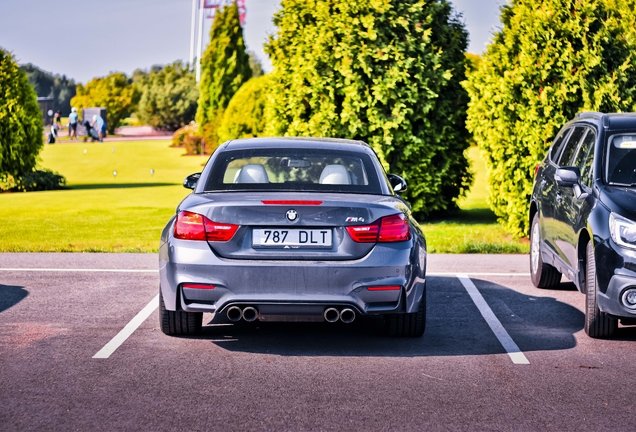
[[81, 349]]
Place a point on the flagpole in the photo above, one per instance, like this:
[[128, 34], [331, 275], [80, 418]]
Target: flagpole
[[200, 43], [193, 23]]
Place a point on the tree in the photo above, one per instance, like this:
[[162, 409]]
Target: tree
[[58, 87], [550, 60], [387, 72], [113, 92], [225, 65], [168, 97], [244, 116], [21, 127], [255, 65]]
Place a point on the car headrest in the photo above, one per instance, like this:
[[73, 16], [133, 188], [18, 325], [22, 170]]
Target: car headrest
[[335, 174], [251, 173]]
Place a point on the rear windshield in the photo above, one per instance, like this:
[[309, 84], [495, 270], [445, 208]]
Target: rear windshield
[[621, 159], [294, 170]]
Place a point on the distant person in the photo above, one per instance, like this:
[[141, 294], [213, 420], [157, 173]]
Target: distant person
[[100, 126], [57, 119], [72, 124]]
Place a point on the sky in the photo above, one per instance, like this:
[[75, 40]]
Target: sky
[[91, 38]]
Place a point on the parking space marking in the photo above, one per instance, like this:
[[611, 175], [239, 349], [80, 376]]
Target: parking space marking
[[26, 269], [129, 329], [497, 328]]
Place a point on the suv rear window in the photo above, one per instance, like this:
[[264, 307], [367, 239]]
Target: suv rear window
[[294, 169], [621, 159]]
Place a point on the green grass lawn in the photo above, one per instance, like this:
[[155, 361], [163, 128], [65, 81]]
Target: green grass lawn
[[102, 212], [475, 228]]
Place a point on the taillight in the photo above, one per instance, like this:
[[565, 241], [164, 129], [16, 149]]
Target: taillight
[[386, 230], [198, 286], [291, 202], [385, 288], [536, 170], [394, 229], [364, 233], [193, 226]]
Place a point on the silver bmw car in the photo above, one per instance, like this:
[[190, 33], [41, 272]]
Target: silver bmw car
[[293, 229]]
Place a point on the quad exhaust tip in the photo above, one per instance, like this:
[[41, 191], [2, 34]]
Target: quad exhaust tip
[[250, 314], [332, 315], [347, 315], [234, 314]]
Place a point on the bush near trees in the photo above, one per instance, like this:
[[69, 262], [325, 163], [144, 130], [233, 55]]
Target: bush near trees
[[114, 92], [386, 72], [21, 130], [225, 65], [244, 117], [58, 87], [549, 61], [168, 97]]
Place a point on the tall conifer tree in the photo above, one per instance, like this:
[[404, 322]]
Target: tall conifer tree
[[225, 65]]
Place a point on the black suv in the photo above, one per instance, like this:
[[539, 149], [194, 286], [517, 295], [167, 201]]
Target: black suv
[[583, 217]]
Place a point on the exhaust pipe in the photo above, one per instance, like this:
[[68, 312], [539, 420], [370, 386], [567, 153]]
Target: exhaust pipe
[[234, 314], [331, 315], [347, 315], [250, 314]]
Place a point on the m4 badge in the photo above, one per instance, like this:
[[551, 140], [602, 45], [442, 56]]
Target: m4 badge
[[354, 219]]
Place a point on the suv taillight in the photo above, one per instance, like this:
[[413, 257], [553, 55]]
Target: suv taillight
[[386, 230], [193, 226]]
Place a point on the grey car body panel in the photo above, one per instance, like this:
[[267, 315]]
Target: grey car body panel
[[301, 281]]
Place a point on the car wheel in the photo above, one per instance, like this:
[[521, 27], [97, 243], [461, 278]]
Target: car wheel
[[178, 323], [408, 324], [543, 275], [597, 324]]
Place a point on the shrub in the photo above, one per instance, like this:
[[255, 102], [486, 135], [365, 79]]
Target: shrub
[[193, 145], [225, 65], [168, 97], [244, 116], [546, 64], [386, 72], [20, 119], [36, 180], [180, 134], [210, 132]]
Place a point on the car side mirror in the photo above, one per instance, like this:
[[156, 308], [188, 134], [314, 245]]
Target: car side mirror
[[567, 176], [570, 177], [191, 181], [397, 183]]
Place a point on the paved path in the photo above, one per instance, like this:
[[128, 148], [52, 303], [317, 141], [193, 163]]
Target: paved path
[[58, 310]]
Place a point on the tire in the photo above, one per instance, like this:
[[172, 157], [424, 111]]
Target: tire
[[543, 275], [178, 323], [598, 324], [407, 324]]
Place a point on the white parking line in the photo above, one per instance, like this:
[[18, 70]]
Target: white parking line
[[71, 270], [506, 341], [125, 333]]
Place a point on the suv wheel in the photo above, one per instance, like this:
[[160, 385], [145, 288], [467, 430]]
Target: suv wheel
[[597, 324], [178, 323], [407, 324], [543, 275]]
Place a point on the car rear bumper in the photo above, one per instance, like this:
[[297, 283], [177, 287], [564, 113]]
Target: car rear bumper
[[292, 287]]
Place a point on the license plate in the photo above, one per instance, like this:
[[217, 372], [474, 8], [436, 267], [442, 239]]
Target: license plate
[[291, 238]]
